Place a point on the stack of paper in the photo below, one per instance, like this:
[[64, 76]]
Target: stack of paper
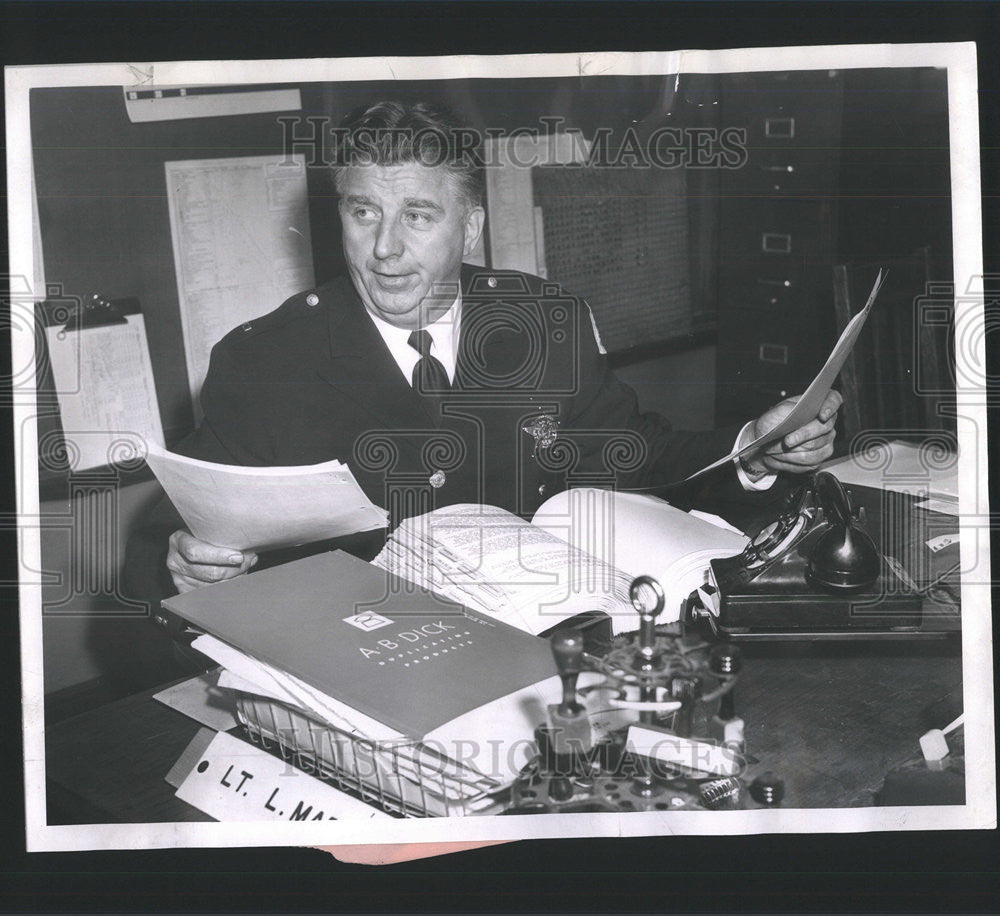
[[250, 508], [377, 679], [456, 769]]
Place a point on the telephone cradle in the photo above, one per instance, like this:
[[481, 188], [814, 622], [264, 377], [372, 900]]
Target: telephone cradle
[[815, 570]]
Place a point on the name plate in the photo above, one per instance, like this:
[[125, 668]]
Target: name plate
[[682, 752], [236, 781]]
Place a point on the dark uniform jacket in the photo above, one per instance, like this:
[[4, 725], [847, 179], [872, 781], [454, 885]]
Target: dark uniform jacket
[[313, 381]]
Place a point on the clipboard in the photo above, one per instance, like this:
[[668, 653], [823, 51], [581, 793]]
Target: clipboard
[[97, 363]]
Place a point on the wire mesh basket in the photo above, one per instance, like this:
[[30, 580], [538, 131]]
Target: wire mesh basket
[[405, 777]]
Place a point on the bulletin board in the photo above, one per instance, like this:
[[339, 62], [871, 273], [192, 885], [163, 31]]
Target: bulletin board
[[619, 239]]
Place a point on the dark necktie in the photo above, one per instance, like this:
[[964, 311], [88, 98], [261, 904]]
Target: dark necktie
[[429, 376]]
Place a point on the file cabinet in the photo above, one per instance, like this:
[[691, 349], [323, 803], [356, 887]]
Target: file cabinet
[[777, 238]]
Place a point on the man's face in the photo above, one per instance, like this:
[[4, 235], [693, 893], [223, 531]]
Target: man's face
[[406, 230]]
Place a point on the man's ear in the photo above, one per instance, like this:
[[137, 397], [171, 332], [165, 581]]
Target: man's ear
[[474, 221]]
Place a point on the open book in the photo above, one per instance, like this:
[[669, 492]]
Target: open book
[[580, 553]]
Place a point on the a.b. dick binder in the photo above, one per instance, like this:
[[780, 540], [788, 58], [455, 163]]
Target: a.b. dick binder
[[389, 649]]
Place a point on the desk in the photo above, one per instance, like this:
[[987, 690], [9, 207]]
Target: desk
[[107, 765], [829, 719]]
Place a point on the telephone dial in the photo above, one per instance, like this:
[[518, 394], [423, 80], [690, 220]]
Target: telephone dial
[[813, 571]]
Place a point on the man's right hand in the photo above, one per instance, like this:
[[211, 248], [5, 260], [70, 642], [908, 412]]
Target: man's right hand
[[193, 563]]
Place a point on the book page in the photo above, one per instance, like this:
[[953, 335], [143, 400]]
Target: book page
[[640, 535], [496, 562], [264, 508]]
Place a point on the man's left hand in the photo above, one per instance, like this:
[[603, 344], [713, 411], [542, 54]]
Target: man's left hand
[[803, 449]]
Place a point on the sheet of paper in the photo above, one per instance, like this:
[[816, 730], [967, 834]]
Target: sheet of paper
[[240, 230], [264, 508], [941, 506], [812, 399], [941, 541], [903, 469], [692, 755], [107, 399], [200, 698]]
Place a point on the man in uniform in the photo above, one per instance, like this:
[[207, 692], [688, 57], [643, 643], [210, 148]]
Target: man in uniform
[[436, 382]]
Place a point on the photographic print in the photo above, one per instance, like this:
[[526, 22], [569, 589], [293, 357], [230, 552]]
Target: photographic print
[[487, 448]]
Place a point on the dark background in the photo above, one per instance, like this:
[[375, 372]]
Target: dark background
[[904, 872]]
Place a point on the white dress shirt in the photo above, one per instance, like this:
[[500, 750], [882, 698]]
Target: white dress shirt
[[444, 348], [444, 334], [762, 482]]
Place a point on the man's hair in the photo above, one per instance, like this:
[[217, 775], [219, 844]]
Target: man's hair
[[394, 133]]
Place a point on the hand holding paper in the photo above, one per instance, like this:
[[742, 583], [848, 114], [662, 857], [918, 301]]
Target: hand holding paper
[[802, 449], [795, 414], [233, 512], [193, 563]]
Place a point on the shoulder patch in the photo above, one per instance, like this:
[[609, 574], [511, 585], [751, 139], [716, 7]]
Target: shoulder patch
[[597, 334]]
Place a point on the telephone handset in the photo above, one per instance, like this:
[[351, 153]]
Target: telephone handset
[[815, 567], [844, 556]]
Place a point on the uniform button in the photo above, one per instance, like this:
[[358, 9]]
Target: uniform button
[[312, 299], [492, 282], [437, 480]]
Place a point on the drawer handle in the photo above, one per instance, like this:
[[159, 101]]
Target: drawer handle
[[776, 243], [773, 353], [779, 128]]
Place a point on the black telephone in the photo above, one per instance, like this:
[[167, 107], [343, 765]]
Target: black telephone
[[815, 570]]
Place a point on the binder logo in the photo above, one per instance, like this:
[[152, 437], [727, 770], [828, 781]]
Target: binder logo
[[368, 620]]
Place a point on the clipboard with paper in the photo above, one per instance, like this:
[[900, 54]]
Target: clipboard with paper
[[100, 369], [809, 404]]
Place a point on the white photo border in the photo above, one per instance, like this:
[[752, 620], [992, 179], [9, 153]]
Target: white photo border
[[980, 810]]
